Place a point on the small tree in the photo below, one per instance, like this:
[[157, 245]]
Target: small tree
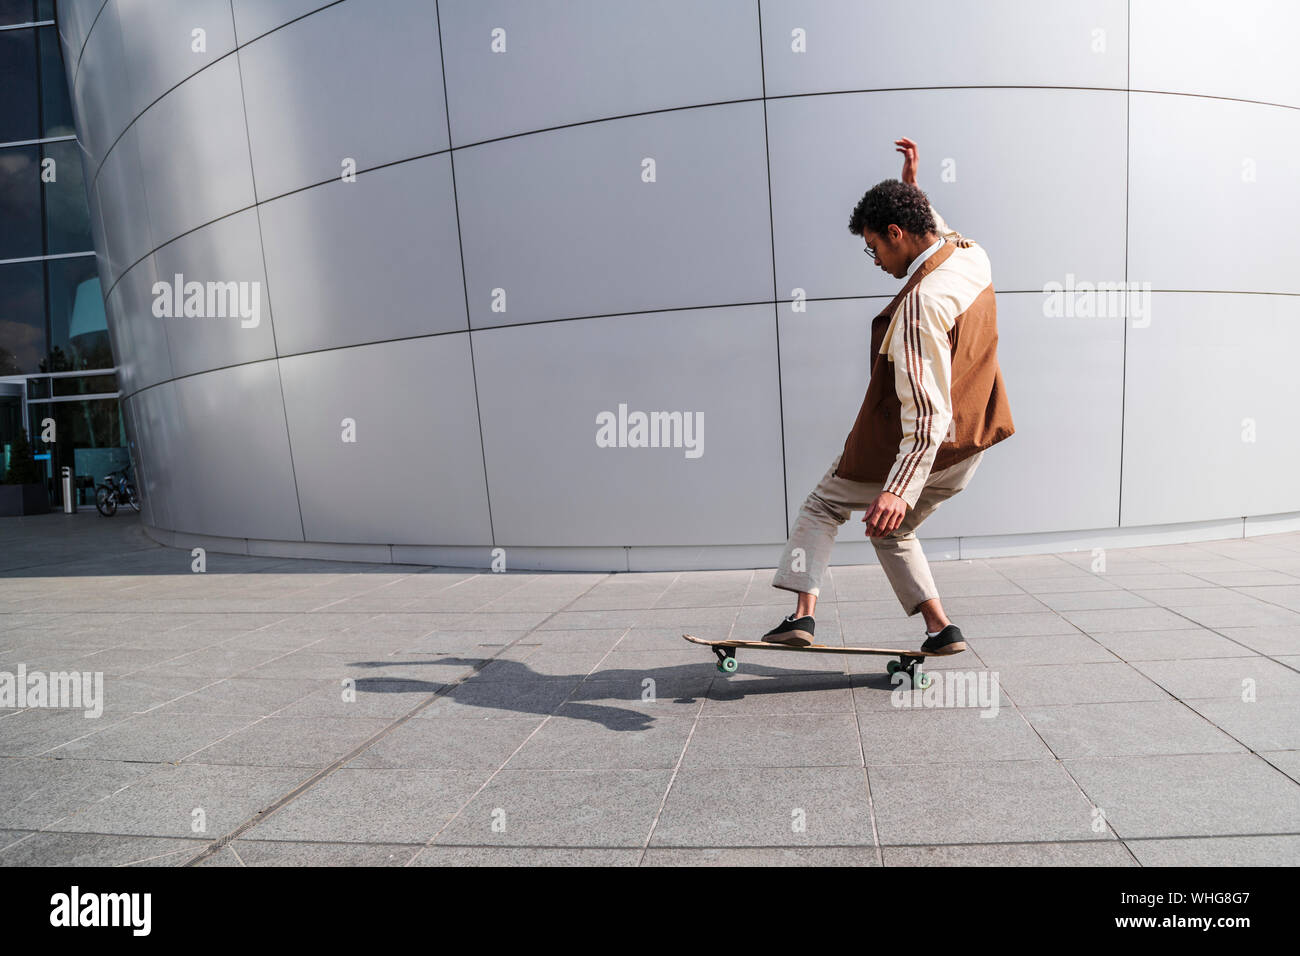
[[23, 469]]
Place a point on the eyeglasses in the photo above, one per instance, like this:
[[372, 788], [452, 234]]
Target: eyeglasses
[[869, 251]]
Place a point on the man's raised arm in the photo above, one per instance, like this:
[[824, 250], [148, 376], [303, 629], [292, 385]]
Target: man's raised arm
[[910, 160]]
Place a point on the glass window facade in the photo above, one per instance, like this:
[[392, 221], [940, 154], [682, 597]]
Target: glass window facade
[[20, 202], [19, 96], [17, 11], [51, 302]]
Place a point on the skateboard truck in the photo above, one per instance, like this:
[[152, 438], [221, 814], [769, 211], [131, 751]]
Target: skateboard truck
[[911, 667], [727, 662]]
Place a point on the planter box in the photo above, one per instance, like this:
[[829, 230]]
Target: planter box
[[30, 499]]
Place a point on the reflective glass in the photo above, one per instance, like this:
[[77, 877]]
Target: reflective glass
[[18, 120], [67, 216], [22, 317], [78, 332], [20, 202]]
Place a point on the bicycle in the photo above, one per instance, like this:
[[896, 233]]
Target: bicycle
[[117, 489]]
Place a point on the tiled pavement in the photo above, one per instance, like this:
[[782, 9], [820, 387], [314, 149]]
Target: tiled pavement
[[328, 713]]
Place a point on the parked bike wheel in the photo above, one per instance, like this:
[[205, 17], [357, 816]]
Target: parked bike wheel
[[106, 501], [132, 498]]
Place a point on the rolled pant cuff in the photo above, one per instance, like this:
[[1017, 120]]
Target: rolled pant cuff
[[799, 583]]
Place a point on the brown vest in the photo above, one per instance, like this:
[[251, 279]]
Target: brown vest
[[981, 413]]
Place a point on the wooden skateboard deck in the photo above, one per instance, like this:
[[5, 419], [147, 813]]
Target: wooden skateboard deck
[[908, 660]]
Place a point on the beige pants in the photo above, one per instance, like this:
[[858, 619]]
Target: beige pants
[[829, 506]]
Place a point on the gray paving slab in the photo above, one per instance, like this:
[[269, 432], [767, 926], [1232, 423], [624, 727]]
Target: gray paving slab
[[756, 695], [1288, 761], [98, 849], [762, 856], [1229, 677], [1175, 598], [1091, 600], [947, 735], [214, 663], [1248, 578], [154, 737], [36, 731], [768, 807], [363, 697], [141, 693], [317, 665], [164, 801], [543, 665], [801, 740], [38, 791], [1041, 684], [673, 696], [1182, 644], [1219, 851], [1273, 640], [637, 741], [448, 744], [1268, 724], [1079, 853], [1038, 584], [525, 856], [1127, 729], [561, 808], [293, 853], [467, 643], [1041, 649], [1228, 615], [1189, 795], [490, 620], [476, 700], [580, 640], [617, 617], [1004, 801], [309, 742], [371, 806], [239, 696], [1128, 619], [978, 626]]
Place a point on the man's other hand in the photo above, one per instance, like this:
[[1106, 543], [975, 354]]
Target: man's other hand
[[909, 151], [885, 514]]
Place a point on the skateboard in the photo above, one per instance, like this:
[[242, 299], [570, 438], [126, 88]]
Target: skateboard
[[908, 661]]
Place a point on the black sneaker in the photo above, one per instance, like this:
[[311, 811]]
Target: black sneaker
[[947, 641], [793, 630]]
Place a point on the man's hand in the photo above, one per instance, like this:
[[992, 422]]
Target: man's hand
[[909, 151], [885, 514]]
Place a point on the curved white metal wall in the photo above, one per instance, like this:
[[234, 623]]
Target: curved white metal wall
[[503, 269]]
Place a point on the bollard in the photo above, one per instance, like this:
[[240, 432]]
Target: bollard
[[69, 502]]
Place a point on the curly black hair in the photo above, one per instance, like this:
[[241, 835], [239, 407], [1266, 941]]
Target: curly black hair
[[893, 201]]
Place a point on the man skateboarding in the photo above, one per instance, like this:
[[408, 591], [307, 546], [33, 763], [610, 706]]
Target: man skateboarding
[[934, 402]]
